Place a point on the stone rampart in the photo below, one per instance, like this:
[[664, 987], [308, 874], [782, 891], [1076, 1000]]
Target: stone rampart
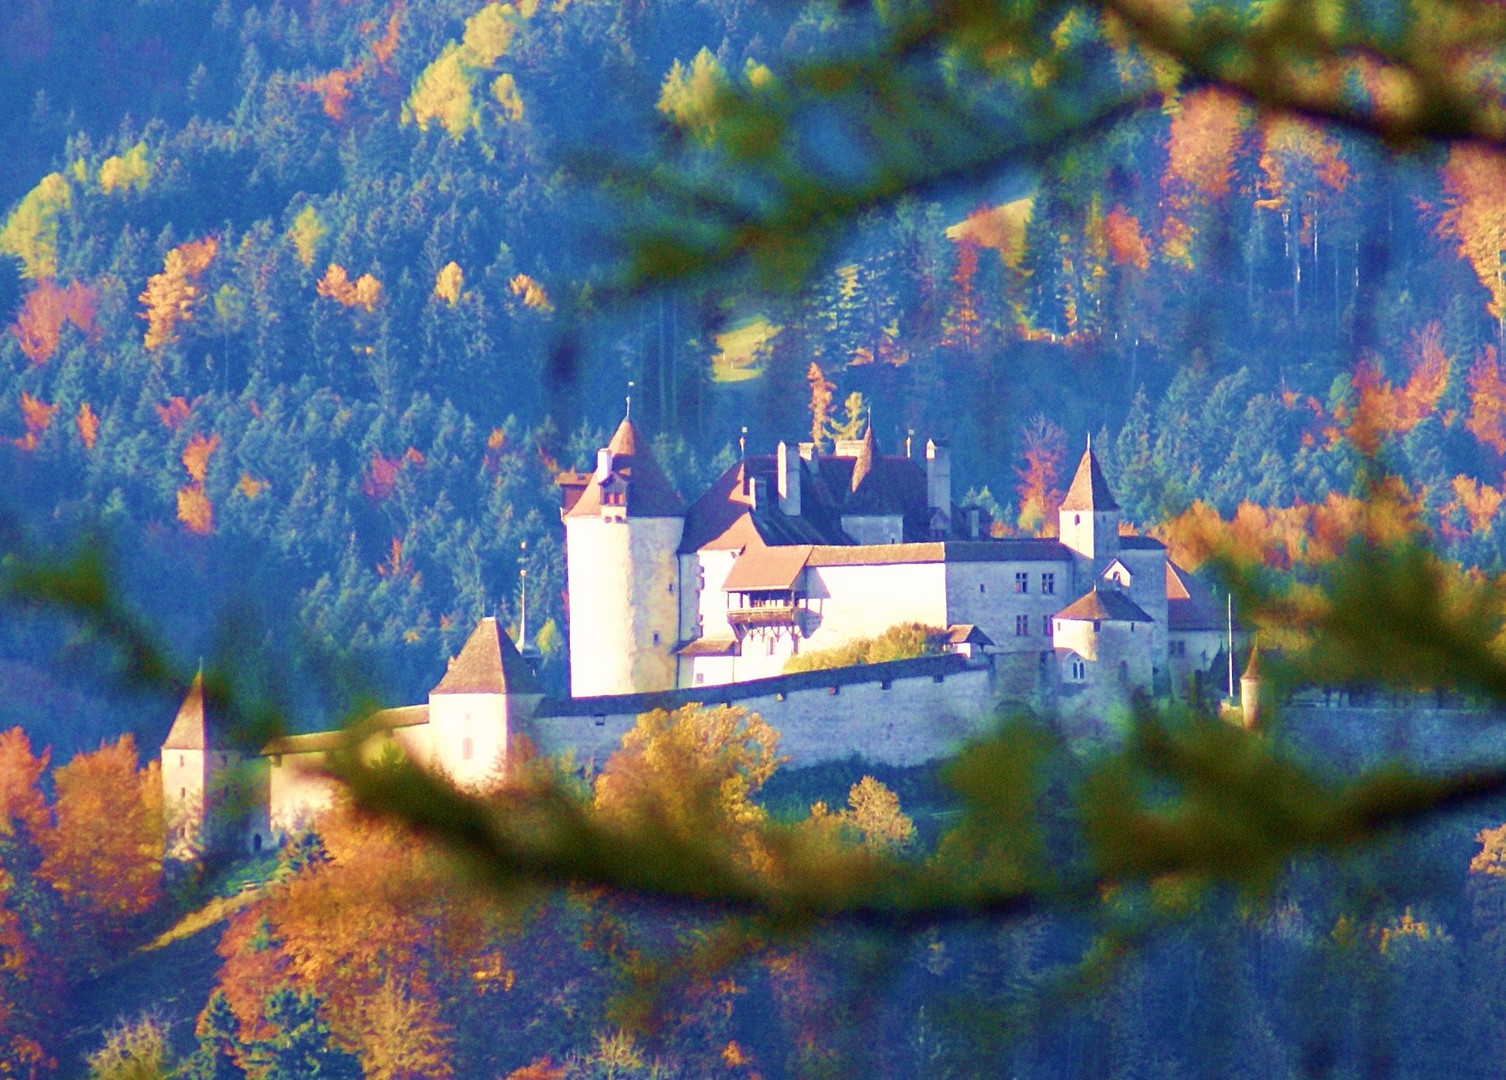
[[905, 712]]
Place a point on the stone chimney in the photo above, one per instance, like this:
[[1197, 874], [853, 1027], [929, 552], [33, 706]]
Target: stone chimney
[[758, 489], [603, 464], [789, 480], [939, 475]]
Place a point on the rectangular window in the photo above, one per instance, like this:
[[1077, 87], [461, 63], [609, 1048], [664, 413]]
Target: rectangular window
[[982, 588], [1022, 626], [1046, 625], [1178, 648], [1048, 584], [700, 678], [1022, 582], [465, 749]]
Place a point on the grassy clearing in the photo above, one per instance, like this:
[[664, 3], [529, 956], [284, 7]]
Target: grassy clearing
[[737, 360], [217, 910]]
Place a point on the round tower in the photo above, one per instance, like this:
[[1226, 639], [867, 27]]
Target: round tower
[[623, 525]]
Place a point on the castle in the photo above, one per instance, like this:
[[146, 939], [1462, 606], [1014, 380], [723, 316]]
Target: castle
[[786, 553]]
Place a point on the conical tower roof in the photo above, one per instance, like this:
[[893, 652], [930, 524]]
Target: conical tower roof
[[1252, 669], [193, 728], [649, 492], [1089, 490], [489, 663]]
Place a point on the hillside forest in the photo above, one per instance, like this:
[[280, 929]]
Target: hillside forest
[[306, 303]]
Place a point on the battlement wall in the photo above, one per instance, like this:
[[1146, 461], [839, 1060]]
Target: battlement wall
[[905, 712]]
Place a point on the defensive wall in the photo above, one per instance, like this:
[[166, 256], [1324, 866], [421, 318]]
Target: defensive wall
[[903, 712]]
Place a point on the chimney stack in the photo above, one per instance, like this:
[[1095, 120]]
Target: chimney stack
[[939, 475], [789, 480], [603, 463], [759, 490]]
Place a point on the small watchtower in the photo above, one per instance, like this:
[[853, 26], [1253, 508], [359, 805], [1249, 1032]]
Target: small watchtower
[[1088, 522]]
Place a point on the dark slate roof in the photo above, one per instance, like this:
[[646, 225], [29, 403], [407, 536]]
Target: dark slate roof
[[1107, 605], [649, 492], [966, 634], [1189, 604], [489, 663], [1008, 549], [1140, 543], [1089, 490]]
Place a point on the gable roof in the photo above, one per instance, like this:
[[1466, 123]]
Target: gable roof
[[767, 568], [1108, 605], [649, 492], [1189, 604], [1089, 490], [489, 663]]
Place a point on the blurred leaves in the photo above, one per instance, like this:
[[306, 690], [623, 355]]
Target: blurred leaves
[[766, 170]]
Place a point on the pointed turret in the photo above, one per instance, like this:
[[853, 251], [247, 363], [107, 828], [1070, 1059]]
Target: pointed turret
[[489, 663], [1089, 516], [627, 481], [1089, 490]]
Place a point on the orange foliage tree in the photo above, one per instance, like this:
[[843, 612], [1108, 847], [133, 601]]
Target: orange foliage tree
[[365, 929], [1126, 244], [47, 308], [171, 296], [1205, 132], [88, 425], [37, 415], [1474, 184], [103, 851], [365, 292], [1045, 447], [1487, 401]]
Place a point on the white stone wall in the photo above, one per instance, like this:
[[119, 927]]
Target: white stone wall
[[849, 602], [1094, 536], [298, 792], [184, 801], [1079, 636], [624, 611], [1147, 569], [711, 573], [983, 593], [467, 736], [906, 722]]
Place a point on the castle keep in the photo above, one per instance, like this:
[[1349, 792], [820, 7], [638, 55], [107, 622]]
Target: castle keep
[[786, 553]]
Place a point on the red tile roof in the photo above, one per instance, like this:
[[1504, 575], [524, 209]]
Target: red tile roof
[[649, 492], [760, 568]]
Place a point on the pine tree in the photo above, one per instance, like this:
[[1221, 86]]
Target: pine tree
[[298, 1047]]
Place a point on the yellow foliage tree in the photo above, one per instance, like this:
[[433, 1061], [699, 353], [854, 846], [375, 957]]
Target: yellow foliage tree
[[689, 95], [171, 296], [488, 33], [31, 231], [126, 172], [448, 283], [308, 229], [88, 425], [505, 90], [194, 509], [196, 456], [443, 94], [532, 292], [364, 292]]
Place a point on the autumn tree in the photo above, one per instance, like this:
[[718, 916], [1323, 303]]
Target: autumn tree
[[47, 309], [172, 296], [103, 852], [1045, 448], [1474, 180], [821, 392]]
